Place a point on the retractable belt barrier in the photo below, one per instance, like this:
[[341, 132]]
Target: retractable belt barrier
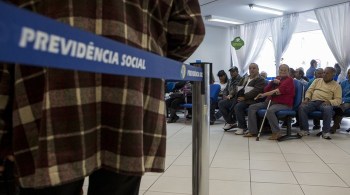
[[29, 38]]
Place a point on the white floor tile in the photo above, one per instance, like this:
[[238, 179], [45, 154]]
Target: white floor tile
[[321, 179], [269, 165], [147, 181], [173, 185], [273, 177], [275, 189], [309, 167], [217, 187], [323, 190], [229, 174], [235, 164], [267, 156], [343, 171], [183, 160], [178, 171], [302, 158]]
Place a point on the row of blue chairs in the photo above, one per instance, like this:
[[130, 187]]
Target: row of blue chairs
[[288, 114]]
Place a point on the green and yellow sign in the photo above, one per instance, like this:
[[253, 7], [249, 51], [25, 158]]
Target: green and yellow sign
[[237, 43]]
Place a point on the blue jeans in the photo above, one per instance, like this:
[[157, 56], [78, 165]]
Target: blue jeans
[[327, 113]]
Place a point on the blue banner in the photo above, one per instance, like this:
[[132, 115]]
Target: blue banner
[[28, 38]]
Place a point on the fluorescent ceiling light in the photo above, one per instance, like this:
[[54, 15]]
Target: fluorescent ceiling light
[[213, 18], [312, 20], [265, 9]]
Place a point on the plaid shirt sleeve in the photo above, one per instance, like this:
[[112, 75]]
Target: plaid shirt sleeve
[[185, 29]]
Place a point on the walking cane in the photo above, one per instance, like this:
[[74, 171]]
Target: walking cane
[[262, 124]]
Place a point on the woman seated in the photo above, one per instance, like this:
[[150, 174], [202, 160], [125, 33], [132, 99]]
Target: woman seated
[[181, 94], [280, 92], [222, 81]]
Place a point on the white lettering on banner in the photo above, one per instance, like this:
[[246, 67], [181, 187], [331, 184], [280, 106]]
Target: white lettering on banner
[[134, 62], [51, 43], [193, 73]]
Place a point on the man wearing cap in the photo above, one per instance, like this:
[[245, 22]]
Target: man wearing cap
[[228, 100]]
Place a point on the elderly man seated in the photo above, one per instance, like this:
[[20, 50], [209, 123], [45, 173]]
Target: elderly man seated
[[322, 95], [345, 87]]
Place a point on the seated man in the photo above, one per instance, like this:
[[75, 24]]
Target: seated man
[[249, 87], [228, 99], [345, 86], [280, 92], [323, 94], [178, 97], [317, 74]]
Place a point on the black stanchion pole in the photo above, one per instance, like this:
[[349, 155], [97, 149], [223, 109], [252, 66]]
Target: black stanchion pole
[[200, 129]]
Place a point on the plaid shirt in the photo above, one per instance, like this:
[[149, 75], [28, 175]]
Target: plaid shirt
[[66, 124]]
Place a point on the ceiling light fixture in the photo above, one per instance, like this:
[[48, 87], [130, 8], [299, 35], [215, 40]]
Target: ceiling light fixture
[[265, 9], [312, 20], [213, 18]]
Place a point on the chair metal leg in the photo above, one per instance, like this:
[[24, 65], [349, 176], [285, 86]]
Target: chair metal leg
[[289, 135]]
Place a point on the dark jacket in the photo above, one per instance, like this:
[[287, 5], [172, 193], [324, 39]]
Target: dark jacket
[[231, 87], [258, 84]]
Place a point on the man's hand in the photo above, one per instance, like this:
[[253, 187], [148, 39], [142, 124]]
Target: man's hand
[[260, 95], [326, 103], [239, 99], [306, 100]]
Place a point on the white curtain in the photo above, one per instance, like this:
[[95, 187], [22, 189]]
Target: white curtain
[[282, 29], [335, 25], [254, 36]]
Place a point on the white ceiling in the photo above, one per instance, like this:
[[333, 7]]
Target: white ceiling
[[239, 10]]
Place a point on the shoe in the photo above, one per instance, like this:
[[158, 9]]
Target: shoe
[[295, 125], [275, 136], [173, 119], [316, 127], [326, 136], [212, 122], [249, 135], [229, 126], [303, 133], [239, 131]]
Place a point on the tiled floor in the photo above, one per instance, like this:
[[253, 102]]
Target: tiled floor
[[242, 166]]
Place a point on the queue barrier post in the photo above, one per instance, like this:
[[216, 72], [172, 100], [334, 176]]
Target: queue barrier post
[[200, 130]]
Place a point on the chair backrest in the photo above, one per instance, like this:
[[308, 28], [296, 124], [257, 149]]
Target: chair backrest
[[170, 86], [299, 92], [214, 92]]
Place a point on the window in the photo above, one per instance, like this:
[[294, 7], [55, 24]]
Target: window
[[303, 47]]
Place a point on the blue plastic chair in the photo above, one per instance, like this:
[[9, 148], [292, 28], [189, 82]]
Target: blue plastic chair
[[214, 95], [288, 114]]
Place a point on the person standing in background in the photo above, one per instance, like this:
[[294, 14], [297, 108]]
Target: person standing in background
[[67, 125], [310, 72]]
